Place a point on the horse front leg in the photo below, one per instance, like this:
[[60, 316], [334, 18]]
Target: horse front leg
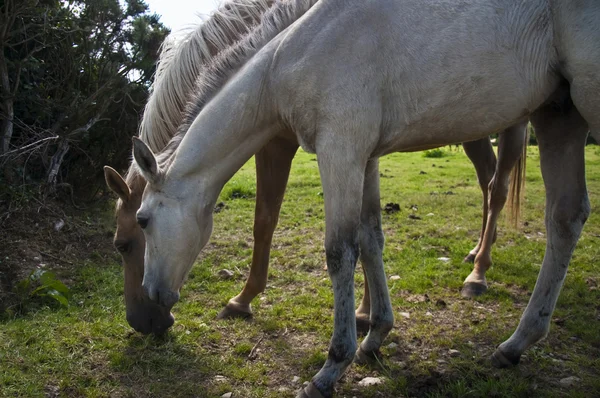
[[342, 176], [481, 154], [273, 163], [561, 134], [510, 148]]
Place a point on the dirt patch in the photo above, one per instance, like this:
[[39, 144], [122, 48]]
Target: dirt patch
[[52, 236]]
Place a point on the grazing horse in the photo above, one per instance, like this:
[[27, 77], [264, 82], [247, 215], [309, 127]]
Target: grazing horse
[[352, 81], [179, 66]]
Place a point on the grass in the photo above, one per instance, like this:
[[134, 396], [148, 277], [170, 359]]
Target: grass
[[87, 349]]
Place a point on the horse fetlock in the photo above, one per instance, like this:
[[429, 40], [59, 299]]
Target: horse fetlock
[[483, 262], [383, 325]]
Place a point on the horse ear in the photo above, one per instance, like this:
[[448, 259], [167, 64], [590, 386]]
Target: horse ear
[[145, 160], [116, 183]]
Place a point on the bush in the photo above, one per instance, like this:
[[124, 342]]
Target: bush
[[434, 153]]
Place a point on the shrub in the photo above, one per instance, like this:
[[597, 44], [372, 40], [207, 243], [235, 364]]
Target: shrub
[[434, 153]]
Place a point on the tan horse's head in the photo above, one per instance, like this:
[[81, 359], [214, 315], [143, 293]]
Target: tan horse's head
[[142, 314]]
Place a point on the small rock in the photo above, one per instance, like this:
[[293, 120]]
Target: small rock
[[305, 383], [454, 353], [225, 274], [428, 313], [440, 303], [422, 172], [219, 207], [401, 364], [227, 395], [569, 381], [370, 381], [444, 259], [394, 277], [59, 225], [392, 346], [430, 214], [36, 259], [414, 217], [220, 379], [405, 314], [441, 361], [295, 379]]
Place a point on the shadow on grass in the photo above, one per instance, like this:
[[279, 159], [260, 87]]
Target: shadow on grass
[[161, 366]]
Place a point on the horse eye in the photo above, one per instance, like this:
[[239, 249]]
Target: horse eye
[[142, 221], [123, 246]]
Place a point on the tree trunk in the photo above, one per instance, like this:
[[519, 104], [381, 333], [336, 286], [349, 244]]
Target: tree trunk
[[8, 113], [55, 163]]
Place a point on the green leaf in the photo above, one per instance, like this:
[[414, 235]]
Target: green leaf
[[50, 281], [58, 297]]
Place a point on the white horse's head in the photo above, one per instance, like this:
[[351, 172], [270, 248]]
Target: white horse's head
[[176, 223]]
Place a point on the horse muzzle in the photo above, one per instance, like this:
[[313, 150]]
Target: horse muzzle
[[150, 318]]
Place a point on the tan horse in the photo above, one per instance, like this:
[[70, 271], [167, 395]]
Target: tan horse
[[179, 66], [353, 81]]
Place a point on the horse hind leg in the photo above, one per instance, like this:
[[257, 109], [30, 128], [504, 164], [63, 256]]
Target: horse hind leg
[[482, 155], [561, 134], [371, 247], [511, 144], [273, 163]]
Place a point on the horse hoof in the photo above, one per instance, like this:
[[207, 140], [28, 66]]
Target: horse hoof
[[501, 360], [362, 325], [310, 392], [364, 358], [232, 311], [470, 258], [473, 289]]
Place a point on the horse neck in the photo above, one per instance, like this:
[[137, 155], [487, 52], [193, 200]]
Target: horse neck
[[231, 128]]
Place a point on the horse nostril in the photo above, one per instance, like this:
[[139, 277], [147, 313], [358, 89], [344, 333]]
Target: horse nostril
[[142, 221]]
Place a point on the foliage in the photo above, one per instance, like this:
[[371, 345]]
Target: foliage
[[434, 153], [42, 284], [74, 77]]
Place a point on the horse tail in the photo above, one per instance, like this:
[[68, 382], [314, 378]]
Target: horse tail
[[516, 187]]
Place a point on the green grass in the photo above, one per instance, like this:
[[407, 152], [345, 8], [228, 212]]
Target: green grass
[[87, 349]]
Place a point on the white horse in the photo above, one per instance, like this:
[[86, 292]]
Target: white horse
[[352, 81]]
